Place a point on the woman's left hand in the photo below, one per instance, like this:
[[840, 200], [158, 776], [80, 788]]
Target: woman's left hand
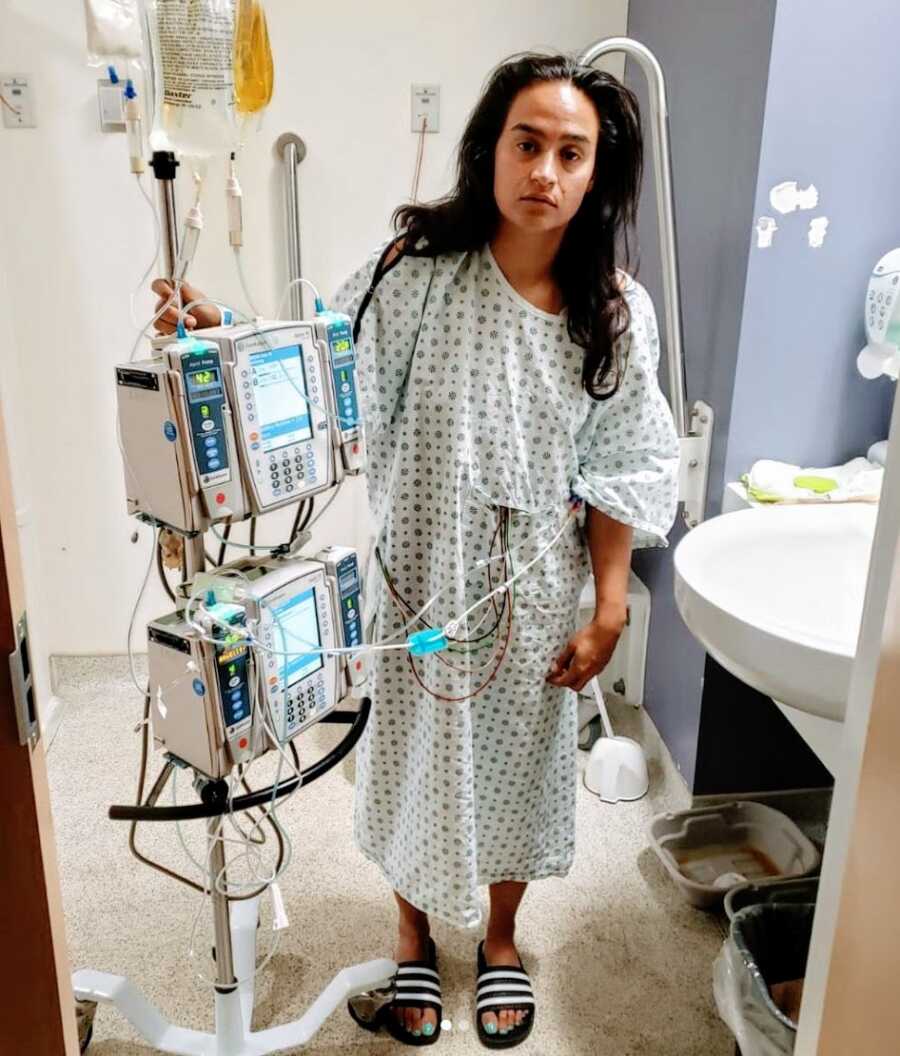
[[590, 649]]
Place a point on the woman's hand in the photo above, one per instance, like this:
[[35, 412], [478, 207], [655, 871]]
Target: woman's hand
[[200, 316], [590, 649]]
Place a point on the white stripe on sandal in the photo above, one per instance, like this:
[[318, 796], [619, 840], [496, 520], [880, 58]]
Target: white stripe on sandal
[[505, 1002]]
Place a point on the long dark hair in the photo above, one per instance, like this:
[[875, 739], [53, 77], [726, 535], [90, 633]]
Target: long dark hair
[[585, 266]]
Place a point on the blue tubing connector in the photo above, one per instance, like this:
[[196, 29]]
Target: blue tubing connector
[[430, 641]]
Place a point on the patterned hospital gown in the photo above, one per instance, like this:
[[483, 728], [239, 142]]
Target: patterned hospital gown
[[473, 400]]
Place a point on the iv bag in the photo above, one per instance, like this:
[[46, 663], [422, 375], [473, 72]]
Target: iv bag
[[254, 72], [113, 30], [192, 51]]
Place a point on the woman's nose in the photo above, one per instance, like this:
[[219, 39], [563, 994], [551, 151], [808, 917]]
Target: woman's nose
[[544, 170]]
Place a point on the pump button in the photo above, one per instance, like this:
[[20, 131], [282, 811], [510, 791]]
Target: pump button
[[220, 498]]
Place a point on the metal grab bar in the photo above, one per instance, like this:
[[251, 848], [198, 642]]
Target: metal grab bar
[[292, 150], [662, 172]]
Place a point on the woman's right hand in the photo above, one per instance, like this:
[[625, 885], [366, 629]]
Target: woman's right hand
[[199, 317]]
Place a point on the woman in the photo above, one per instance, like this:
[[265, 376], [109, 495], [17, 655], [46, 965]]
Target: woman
[[506, 366]]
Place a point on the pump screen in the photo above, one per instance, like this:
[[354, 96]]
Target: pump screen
[[296, 628], [279, 383], [200, 382]]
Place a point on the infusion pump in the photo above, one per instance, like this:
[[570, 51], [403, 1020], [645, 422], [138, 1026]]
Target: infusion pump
[[219, 699], [235, 421]]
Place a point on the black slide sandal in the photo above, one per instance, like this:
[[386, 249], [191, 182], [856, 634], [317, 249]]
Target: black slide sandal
[[416, 985], [502, 986]]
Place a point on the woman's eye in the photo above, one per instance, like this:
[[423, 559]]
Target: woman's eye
[[571, 155], [525, 146]]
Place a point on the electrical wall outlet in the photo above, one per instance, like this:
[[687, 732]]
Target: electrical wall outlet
[[17, 101], [426, 107]]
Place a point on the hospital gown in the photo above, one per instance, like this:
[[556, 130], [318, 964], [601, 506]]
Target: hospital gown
[[473, 400]]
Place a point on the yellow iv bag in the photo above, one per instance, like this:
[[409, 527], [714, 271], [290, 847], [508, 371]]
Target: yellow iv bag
[[254, 73]]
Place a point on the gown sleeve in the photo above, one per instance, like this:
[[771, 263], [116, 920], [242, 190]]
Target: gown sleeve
[[387, 337], [628, 448]]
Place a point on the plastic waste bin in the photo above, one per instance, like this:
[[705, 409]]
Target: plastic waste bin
[[766, 948]]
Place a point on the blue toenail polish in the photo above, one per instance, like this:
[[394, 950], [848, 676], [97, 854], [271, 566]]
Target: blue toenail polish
[[417, 1033], [428, 1030], [491, 1028]]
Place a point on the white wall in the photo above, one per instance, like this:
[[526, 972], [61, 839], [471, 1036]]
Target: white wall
[[75, 237]]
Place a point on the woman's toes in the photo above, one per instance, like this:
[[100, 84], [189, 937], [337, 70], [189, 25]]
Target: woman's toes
[[504, 1021], [489, 1020]]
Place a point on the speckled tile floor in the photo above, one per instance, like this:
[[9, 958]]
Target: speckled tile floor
[[621, 966]]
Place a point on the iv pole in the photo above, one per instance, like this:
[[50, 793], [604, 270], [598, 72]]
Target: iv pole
[[235, 924]]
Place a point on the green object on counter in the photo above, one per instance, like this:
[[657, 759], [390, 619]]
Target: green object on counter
[[819, 485], [757, 494]]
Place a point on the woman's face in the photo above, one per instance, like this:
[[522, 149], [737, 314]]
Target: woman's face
[[544, 158]]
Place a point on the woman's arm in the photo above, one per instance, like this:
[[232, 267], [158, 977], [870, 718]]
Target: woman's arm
[[589, 650]]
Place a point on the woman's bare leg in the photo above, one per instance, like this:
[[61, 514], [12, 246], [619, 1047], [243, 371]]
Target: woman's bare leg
[[412, 945], [500, 945]]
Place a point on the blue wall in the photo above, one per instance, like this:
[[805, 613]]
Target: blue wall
[[760, 93], [715, 55], [831, 120]]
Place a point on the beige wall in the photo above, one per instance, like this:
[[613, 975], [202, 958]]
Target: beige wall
[[862, 1009], [75, 236]]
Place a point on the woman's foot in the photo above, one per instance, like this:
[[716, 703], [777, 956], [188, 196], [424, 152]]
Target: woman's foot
[[413, 945], [502, 952]]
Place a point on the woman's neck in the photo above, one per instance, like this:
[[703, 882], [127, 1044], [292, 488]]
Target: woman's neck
[[527, 262]]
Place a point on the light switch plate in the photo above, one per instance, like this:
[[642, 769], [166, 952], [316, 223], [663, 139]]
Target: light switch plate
[[112, 106], [17, 100], [426, 106]]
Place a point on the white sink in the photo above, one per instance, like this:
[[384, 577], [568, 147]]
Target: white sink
[[775, 595]]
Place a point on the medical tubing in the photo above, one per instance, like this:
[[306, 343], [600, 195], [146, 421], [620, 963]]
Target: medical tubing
[[287, 293], [508, 583], [484, 563], [139, 801], [173, 297], [157, 228], [193, 225], [134, 611], [157, 788], [193, 811], [475, 692], [315, 648], [276, 942], [250, 849], [223, 545], [481, 563], [188, 308], [311, 509], [295, 527], [254, 548], [133, 129], [243, 280], [257, 332], [234, 205], [309, 524]]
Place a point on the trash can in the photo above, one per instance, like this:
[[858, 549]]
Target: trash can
[[758, 976]]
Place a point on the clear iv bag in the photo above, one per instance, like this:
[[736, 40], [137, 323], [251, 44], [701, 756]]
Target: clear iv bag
[[113, 31], [192, 51], [254, 72]]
